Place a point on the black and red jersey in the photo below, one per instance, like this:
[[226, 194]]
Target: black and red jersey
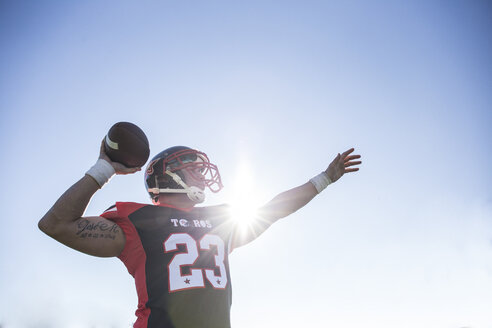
[[179, 259]]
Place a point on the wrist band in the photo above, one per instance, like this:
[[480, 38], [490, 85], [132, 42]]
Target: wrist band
[[102, 171], [321, 181]]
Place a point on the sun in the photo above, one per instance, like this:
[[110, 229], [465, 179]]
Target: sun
[[245, 200], [244, 212]]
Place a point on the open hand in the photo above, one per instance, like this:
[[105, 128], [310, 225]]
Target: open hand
[[342, 164]]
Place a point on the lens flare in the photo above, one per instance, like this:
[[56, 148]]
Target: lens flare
[[245, 200]]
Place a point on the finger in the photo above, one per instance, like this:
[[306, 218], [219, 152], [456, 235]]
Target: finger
[[355, 169], [352, 163], [347, 152], [121, 167], [128, 170], [349, 158], [102, 151], [124, 168]]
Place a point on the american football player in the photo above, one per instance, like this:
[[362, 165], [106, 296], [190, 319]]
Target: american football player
[[176, 251]]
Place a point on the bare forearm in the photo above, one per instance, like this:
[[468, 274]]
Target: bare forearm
[[71, 205], [288, 202]]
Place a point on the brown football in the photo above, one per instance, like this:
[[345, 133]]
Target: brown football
[[127, 144]]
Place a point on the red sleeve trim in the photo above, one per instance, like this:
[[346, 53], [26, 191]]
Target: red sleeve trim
[[119, 214], [133, 255]]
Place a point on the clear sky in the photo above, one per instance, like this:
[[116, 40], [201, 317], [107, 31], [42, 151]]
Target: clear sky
[[271, 90]]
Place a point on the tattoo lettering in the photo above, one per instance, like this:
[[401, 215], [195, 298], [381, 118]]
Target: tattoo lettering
[[97, 235], [99, 229]]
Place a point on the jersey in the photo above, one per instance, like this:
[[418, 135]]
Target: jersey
[[179, 259]]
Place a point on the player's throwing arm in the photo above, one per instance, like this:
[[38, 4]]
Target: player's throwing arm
[[96, 235]]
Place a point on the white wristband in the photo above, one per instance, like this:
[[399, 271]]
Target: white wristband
[[321, 181], [102, 171]]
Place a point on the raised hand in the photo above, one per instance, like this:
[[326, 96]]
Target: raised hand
[[342, 164]]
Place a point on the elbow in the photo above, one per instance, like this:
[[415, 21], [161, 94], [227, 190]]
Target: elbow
[[41, 225], [49, 224], [44, 225]]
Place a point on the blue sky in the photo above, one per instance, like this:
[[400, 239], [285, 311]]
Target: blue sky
[[271, 90]]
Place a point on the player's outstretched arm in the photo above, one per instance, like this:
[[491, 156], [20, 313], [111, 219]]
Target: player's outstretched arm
[[291, 200], [64, 221]]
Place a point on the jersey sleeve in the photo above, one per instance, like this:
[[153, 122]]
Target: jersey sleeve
[[233, 231], [119, 213], [242, 233], [219, 217]]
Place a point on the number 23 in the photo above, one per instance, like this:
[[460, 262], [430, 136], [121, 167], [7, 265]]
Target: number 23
[[178, 281]]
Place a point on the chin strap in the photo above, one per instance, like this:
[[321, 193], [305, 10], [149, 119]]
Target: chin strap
[[194, 193]]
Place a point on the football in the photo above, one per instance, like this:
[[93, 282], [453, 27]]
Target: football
[[127, 144]]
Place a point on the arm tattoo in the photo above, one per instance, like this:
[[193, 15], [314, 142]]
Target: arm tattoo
[[96, 230]]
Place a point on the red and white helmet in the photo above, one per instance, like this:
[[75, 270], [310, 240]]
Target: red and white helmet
[[164, 173]]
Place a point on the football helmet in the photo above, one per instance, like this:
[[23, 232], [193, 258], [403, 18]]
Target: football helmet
[[165, 173]]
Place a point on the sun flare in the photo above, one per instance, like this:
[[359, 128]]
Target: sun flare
[[245, 199]]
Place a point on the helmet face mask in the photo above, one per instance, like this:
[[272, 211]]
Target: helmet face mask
[[197, 165], [171, 170]]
